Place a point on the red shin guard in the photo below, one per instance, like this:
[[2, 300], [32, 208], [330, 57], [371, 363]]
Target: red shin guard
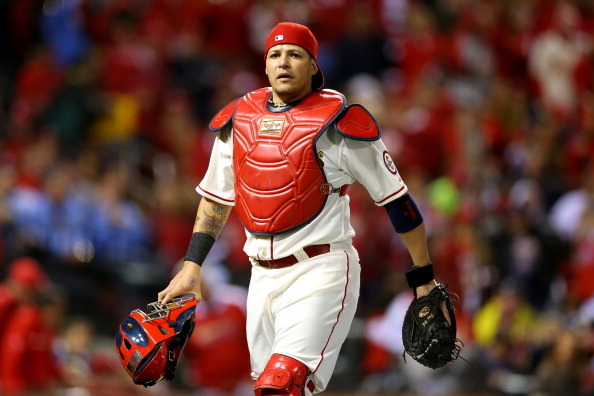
[[283, 376]]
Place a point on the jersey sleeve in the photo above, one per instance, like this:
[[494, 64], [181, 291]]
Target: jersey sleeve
[[370, 163], [218, 182]]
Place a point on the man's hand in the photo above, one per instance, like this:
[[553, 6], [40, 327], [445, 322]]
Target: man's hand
[[425, 289], [210, 219], [429, 333], [186, 281]]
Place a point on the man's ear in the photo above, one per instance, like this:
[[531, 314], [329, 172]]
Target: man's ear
[[314, 67]]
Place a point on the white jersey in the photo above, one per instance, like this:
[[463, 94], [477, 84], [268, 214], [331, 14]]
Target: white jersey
[[345, 161]]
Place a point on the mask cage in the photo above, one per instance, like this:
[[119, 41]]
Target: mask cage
[[156, 310]]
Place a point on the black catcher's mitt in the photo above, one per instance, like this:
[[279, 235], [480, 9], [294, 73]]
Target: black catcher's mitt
[[426, 334]]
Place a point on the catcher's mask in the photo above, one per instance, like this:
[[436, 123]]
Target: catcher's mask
[[150, 344]]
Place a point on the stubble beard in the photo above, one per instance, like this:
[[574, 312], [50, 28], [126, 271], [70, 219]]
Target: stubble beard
[[290, 93], [285, 92]]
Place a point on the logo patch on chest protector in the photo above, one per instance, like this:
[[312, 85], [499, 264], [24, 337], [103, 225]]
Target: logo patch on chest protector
[[271, 126]]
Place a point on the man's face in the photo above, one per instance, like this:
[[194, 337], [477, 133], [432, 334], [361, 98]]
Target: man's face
[[289, 69]]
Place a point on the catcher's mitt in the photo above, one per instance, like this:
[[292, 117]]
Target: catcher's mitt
[[426, 334]]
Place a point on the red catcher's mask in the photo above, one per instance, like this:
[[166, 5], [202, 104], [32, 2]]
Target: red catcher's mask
[[149, 344]]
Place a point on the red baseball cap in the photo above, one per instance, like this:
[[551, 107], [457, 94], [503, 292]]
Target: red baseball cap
[[28, 273], [294, 33]]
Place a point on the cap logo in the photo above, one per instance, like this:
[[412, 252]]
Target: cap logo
[[279, 37]]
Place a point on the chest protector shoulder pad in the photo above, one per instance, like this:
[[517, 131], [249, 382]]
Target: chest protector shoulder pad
[[279, 182], [358, 124], [223, 117]]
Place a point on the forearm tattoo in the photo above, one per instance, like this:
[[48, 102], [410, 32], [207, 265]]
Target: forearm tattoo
[[212, 219]]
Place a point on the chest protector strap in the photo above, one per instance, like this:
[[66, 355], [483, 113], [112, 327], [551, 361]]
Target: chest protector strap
[[278, 176]]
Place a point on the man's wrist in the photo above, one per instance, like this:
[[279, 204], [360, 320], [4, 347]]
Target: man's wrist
[[419, 276], [425, 289], [199, 247]]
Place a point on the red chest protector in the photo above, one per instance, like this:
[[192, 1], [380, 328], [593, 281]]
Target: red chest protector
[[279, 184]]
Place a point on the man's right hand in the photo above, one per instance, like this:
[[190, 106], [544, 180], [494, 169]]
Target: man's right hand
[[186, 281]]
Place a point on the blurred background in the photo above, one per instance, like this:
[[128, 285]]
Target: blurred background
[[487, 107]]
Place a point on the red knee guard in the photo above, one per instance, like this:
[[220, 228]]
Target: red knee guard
[[283, 376]]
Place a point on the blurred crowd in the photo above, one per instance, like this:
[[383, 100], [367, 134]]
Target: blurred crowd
[[486, 105]]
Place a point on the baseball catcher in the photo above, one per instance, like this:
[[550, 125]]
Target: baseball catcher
[[429, 329], [283, 159]]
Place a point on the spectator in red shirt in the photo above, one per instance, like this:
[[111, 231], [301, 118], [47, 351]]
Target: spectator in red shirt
[[28, 363], [24, 279]]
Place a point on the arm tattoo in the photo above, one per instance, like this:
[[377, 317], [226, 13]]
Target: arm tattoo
[[212, 219], [219, 210], [192, 281]]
